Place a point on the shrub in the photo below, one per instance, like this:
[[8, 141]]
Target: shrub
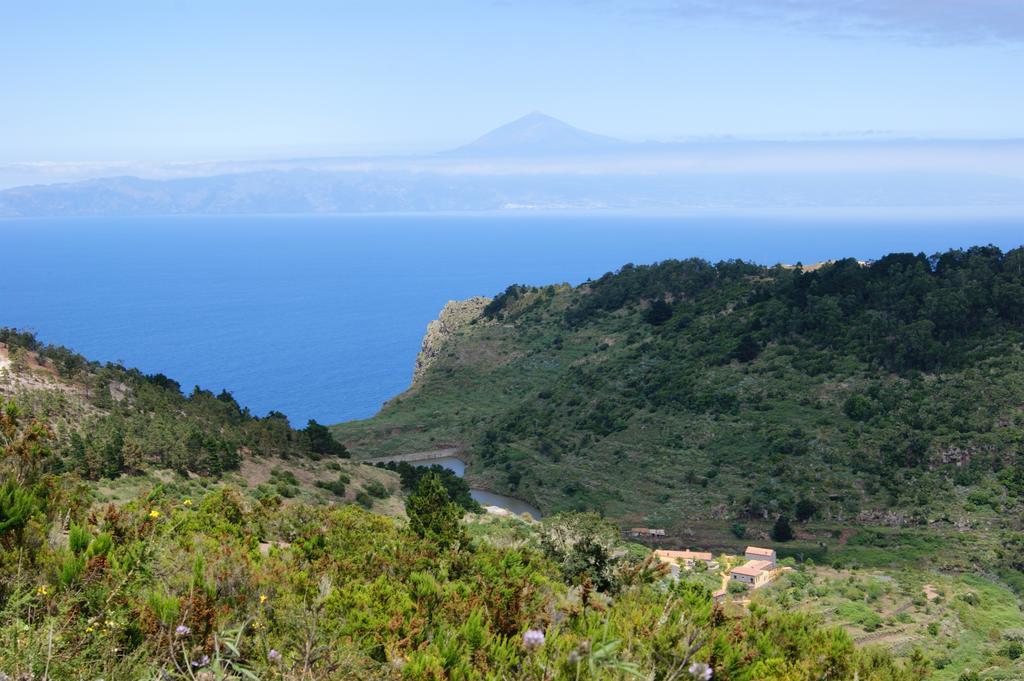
[[17, 505], [337, 486], [376, 489]]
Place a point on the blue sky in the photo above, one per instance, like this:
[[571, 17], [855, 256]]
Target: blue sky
[[188, 79]]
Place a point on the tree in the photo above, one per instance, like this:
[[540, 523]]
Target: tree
[[433, 515], [805, 510], [320, 440], [747, 349], [659, 313], [584, 546], [781, 531], [859, 408]]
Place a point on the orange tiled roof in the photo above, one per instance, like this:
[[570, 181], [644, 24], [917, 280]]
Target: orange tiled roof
[[683, 555], [758, 551], [752, 568]]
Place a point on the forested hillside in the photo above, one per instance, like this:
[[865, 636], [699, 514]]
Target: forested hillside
[[885, 393]]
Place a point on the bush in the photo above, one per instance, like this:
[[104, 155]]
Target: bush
[[337, 486], [17, 505], [376, 489], [433, 515], [736, 587]]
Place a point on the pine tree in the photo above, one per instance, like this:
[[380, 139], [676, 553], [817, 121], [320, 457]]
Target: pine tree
[[433, 515], [782, 531]]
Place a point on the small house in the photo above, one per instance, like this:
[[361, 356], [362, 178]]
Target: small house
[[756, 553]]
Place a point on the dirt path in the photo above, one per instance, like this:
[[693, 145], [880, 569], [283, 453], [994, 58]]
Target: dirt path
[[882, 638], [418, 456]]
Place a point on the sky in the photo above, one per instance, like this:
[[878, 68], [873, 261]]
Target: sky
[[166, 80]]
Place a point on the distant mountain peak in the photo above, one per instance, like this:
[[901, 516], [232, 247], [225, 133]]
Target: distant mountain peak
[[537, 134]]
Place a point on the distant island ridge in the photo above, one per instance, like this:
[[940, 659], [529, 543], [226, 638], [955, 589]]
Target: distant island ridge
[[539, 163]]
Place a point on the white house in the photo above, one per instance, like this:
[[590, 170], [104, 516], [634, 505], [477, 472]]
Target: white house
[[757, 553]]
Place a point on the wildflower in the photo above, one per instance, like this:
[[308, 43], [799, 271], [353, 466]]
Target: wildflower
[[533, 639], [89, 630], [257, 625], [201, 662], [182, 630], [700, 671], [263, 598], [43, 590], [154, 513], [273, 655], [187, 502]]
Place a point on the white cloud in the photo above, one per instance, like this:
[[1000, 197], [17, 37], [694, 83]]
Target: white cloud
[[931, 21]]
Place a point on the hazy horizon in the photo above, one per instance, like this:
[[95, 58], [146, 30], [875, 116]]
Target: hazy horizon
[[176, 80], [647, 105]]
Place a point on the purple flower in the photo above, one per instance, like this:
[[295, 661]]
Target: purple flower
[[274, 656], [533, 639], [182, 630], [201, 662], [700, 671]]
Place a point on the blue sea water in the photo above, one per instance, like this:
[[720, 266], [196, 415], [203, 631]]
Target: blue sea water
[[322, 317]]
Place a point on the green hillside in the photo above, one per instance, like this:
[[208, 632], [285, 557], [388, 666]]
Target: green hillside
[[698, 397], [151, 534]]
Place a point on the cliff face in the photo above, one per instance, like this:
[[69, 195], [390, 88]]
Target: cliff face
[[454, 315]]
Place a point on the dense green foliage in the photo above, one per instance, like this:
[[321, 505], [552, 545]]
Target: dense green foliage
[[132, 420], [688, 392], [433, 515], [225, 588], [412, 475]]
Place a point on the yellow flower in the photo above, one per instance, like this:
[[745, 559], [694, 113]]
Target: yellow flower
[[43, 590], [257, 625], [88, 630], [187, 502], [263, 598], [154, 513]]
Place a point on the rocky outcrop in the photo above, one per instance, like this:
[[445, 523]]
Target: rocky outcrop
[[454, 315]]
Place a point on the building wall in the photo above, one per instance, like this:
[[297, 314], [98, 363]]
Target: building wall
[[752, 556]]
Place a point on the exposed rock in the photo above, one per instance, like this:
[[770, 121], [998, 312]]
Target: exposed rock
[[454, 315], [953, 455]]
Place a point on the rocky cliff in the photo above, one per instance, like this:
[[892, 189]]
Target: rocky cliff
[[454, 315]]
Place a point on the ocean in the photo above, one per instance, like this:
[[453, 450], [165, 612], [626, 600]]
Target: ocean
[[321, 317]]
